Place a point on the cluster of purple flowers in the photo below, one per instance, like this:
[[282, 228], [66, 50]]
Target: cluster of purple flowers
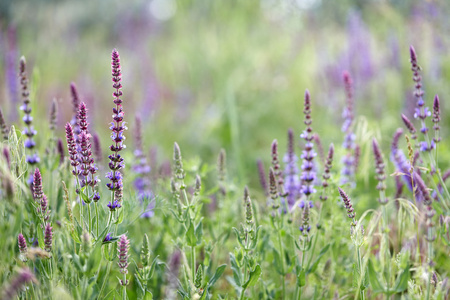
[[29, 131], [351, 158], [291, 179], [142, 170], [308, 169], [117, 127]]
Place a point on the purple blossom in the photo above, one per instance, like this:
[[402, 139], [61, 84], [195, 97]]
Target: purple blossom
[[117, 127], [4, 131], [115, 204], [107, 238], [72, 147], [48, 237], [23, 277], [348, 205], [32, 158], [262, 177], [308, 175], [123, 246], [292, 183], [22, 244], [350, 159]]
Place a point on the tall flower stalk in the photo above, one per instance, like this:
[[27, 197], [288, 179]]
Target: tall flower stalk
[[348, 170], [29, 132], [291, 173], [117, 127]]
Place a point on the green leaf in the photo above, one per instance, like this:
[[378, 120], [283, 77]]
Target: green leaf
[[278, 262], [377, 287], [254, 276], [40, 233], [148, 295], [120, 218], [190, 236], [214, 278], [75, 237], [401, 283], [301, 278], [315, 264], [236, 270], [199, 232], [84, 197]]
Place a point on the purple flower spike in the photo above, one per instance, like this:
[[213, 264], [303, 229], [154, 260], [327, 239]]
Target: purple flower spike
[[32, 158], [326, 173], [75, 105], [348, 205], [117, 127], [409, 125], [436, 118], [291, 172], [60, 149], [48, 237], [97, 148], [262, 177], [308, 169], [22, 244], [277, 168], [123, 246], [350, 159], [4, 130], [72, 146], [379, 166]]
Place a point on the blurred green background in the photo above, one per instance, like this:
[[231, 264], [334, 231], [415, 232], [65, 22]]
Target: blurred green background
[[231, 74]]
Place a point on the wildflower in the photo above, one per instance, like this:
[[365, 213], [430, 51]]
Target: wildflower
[[53, 114], [60, 150], [22, 247], [178, 169], [436, 118], [123, 246], [75, 106], [277, 169], [248, 211], [291, 178], [38, 191], [117, 127], [107, 238], [273, 189], [379, 165], [327, 170], [409, 125], [23, 277], [308, 173], [48, 235], [3, 128], [350, 159], [27, 119], [97, 148], [348, 205], [115, 204], [72, 146], [141, 168], [262, 177], [319, 146], [305, 227]]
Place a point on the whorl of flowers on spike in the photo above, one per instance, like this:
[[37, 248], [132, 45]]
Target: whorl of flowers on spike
[[379, 165], [3, 128], [87, 165], [27, 119], [48, 238], [349, 160], [291, 178], [436, 118], [273, 189], [142, 170], [22, 247], [277, 169], [421, 112], [262, 177], [53, 114], [410, 126], [117, 127], [348, 205], [72, 147], [305, 227], [308, 170], [326, 172], [123, 246], [60, 150], [75, 106]]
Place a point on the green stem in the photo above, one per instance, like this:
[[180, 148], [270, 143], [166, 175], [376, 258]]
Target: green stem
[[108, 269], [315, 238], [280, 245], [124, 297], [96, 217], [89, 216], [361, 292], [193, 263]]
